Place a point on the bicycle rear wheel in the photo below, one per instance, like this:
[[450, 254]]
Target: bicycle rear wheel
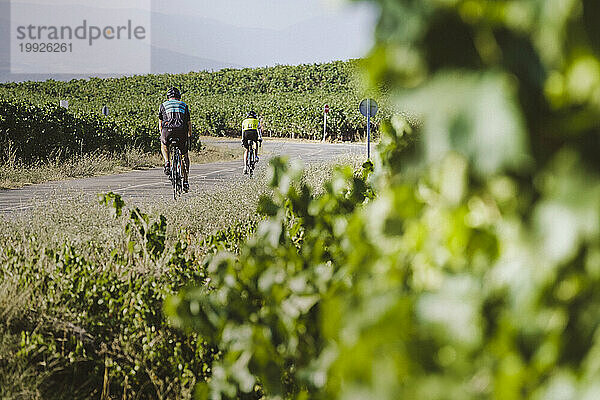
[[176, 176], [251, 159]]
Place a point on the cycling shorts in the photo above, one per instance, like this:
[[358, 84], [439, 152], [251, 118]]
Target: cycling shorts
[[247, 136], [179, 133]]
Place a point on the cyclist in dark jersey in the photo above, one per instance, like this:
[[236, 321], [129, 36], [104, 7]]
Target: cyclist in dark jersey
[[174, 121]]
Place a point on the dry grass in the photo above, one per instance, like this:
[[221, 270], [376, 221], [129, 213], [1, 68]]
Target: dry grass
[[79, 220]]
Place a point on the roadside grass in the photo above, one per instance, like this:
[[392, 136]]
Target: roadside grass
[[15, 174], [18, 380], [35, 321]]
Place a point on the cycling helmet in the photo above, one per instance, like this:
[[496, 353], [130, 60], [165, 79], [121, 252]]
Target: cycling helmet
[[251, 114], [174, 93]]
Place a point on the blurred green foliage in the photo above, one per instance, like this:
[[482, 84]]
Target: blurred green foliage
[[467, 266]]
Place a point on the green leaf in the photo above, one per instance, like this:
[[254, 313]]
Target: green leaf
[[473, 114]]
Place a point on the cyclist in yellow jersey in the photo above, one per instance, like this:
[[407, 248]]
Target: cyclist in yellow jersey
[[251, 135]]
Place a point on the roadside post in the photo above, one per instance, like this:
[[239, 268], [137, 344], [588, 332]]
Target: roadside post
[[325, 112], [105, 111], [368, 108]]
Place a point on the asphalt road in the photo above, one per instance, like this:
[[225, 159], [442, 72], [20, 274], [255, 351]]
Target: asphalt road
[[153, 183]]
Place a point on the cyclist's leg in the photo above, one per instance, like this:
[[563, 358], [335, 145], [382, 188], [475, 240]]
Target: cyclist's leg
[[171, 171], [246, 145], [245, 159], [164, 149], [255, 143], [186, 163], [186, 169], [186, 166], [253, 138], [185, 158]]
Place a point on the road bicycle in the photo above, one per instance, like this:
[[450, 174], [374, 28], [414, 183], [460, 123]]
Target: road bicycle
[[251, 159], [176, 174]]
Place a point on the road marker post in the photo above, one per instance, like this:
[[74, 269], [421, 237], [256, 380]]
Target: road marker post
[[325, 112], [368, 108]]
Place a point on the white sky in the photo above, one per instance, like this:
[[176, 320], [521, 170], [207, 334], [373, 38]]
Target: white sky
[[139, 4], [211, 34], [277, 14], [278, 31]]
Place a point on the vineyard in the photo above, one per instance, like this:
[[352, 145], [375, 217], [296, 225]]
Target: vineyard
[[288, 99], [461, 262]]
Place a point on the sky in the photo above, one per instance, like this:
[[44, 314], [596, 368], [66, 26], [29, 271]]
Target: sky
[[191, 35], [274, 14]]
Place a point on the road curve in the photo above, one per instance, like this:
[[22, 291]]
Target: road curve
[[153, 184]]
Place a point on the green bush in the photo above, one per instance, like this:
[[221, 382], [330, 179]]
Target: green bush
[[31, 133]]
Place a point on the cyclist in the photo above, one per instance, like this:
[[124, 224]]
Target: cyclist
[[174, 121], [251, 135]]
